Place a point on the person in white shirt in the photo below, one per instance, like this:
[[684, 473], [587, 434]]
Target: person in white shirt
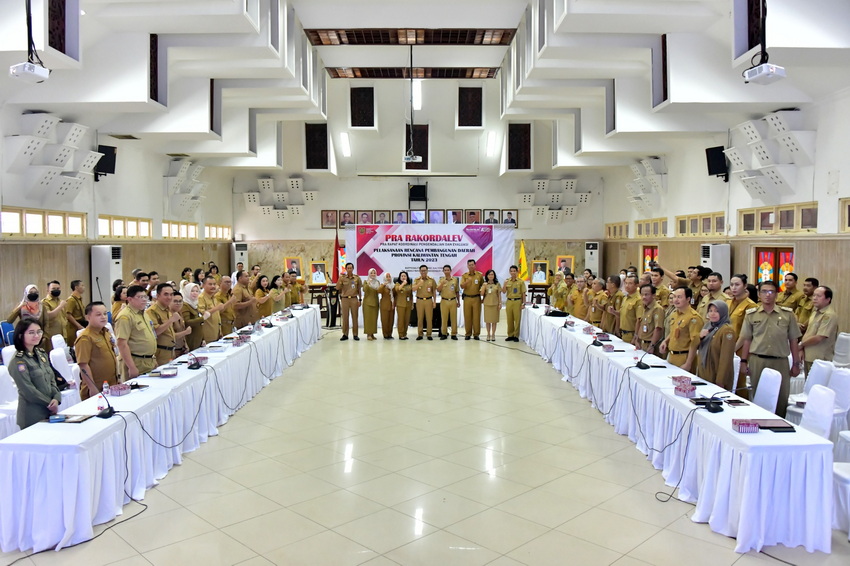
[[319, 276], [539, 275]]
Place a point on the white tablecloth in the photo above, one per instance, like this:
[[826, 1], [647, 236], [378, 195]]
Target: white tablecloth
[[59, 480], [763, 489]]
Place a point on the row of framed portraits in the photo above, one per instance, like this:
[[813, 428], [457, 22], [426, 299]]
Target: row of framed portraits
[[342, 218], [316, 275]]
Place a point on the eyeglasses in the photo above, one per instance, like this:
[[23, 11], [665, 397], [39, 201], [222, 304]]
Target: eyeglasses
[[34, 332], [767, 292]]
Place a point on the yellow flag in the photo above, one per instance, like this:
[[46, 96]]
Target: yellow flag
[[523, 262]]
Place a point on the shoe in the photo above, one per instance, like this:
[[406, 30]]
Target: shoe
[[389, 338], [419, 337], [476, 337], [357, 338], [402, 337], [430, 338], [344, 338], [515, 339], [454, 337], [509, 339], [468, 338], [444, 337]]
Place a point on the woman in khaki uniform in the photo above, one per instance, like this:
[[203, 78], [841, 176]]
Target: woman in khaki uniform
[[265, 300], [559, 291], [31, 308], [739, 303], [717, 347], [370, 304], [119, 300], [192, 316], [386, 306], [491, 295], [403, 297]]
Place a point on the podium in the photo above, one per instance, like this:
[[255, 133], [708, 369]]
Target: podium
[[538, 294]]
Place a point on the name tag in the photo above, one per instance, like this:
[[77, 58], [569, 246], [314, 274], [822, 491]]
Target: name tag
[[353, 285], [452, 286], [644, 328], [476, 281], [515, 290], [427, 289]]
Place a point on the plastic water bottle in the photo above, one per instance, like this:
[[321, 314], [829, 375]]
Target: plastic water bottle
[[105, 388], [101, 405]]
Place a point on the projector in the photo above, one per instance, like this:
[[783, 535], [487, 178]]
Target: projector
[[29, 72], [413, 159], [764, 74]]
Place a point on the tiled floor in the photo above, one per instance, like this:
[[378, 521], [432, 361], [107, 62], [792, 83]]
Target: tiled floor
[[432, 453]]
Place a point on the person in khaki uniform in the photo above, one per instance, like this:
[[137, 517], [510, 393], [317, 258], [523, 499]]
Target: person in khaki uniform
[[95, 352], [662, 293], [136, 336], [791, 296], [628, 309], [739, 304], [246, 303], [491, 300], [685, 326], [424, 287], [822, 331], [769, 334], [597, 301], [470, 283], [225, 298], [449, 305], [211, 309], [559, 292], [296, 290], [74, 311], [349, 287], [386, 306], [371, 304], [717, 347], [163, 323], [611, 313], [570, 281], [806, 306], [55, 308], [714, 283], [649, 323], [514, 289], [403, 298], [576, 300]]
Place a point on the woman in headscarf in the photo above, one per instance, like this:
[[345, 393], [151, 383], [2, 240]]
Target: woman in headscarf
[[191, 315], [387, 308], [717, 347], [30, 308], [371, 304]]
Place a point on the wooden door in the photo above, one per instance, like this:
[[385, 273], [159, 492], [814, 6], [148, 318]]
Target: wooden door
[[772, 264]]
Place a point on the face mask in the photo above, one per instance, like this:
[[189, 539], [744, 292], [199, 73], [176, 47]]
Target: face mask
[[32, 297], [56, 292]]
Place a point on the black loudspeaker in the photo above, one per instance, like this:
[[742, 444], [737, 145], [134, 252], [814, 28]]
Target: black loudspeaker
[[716, 161], [106, 165], [417, 192]]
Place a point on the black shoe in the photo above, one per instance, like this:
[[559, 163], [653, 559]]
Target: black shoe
[[476, 337], [357, 338], [454, 337], [444, 337], [468, 338], [430, 338], [344, 338], [509, 339], [419, 337], [402, 338], [388, 337], [516, 339]]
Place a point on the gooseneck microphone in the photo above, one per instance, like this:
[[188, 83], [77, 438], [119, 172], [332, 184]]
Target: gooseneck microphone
[[643, 365]]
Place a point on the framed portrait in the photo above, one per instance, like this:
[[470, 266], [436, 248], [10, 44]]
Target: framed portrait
[[417, 217], [346, 217], [472, 216], [319, 273], [399, 217], [364, 217], [293, 264], [436, 216], [565, 263], [329, 219], [381, 217], [454, 216], [539, 272], [491, 216], [510, 216]]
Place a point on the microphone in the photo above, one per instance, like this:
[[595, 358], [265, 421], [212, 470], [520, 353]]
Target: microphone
[[108, 411], [715, 404], [97, 282], [196, 364], [640, 363]]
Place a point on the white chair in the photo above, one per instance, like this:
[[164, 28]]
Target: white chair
[[8, 391], [842, 350], [819, 375], [767, 393], [58, 341], [841, 453], [8, 353], [841, 497], [59, 361], [817, 416], [840, 383]]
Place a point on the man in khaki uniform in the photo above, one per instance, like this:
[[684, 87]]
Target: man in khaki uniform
[[628, 309], [806, 306], [95, 352], [296, 289], [245, 305], [471, 282], [769, 334], [449, 305], [570, 281], [228, 313], [650, 320], [163, 323], [74, 311], [791, 296], [211, 309], [685, 326], [822, 331], [136, 336], [611, 313], [349, 287], [424, 287], [662, 293], [576, 304], [514, 289], [714, 282], [55, 308], [597, 301]]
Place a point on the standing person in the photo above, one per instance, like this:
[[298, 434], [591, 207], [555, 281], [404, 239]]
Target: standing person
[[403, 297], [31, 308], [225, 297], [628, 309], [714, 287], [280, 292], [685, 326], [213, 272], [349, 287], [471, 282], [424, 287], [262, 292], [371, 304], [558, 291], [449, 305], [96, 352], [740, 302], [611, 313], [38, 396], [717, 347], [822, 331], [119, 300], [514, 290], [192, 316], [386, 306], [246, 303], [255, 272], [597, 299], [806, 305], [650, 320], [576, 300], [662, 293], [186, 275], [74, 311], [211, 309], [55, 308], [153, 281], [181, 331], [570, 282], [239, 267], [791, 296], [491, 296], [770, 334], [136, 336], [296, 290], [163, 323]]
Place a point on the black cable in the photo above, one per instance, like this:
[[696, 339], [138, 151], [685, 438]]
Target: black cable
[[244, 388], [32, 52], [668, 496]]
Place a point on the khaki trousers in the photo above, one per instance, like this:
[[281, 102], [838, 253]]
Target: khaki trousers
[[387, 322], [403, 313], [350, 307], [448, 313], [425, 314], [472, 315], [514, 312]]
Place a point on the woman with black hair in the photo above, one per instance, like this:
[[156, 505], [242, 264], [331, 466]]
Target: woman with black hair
[[186, 275], [403, 296], [491, 295], [38, 396], [119, 299]]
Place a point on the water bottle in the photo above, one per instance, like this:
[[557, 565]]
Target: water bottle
[[105, 388], [101, 405]]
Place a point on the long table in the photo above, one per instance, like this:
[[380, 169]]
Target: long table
[[763, 489], [59, 480]]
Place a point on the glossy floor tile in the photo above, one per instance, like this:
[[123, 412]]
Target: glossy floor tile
[[416, 453]]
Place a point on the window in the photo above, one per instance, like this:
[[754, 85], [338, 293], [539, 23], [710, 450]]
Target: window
[[362, 107], [843, 204], [123, 227], [618, 231], [172, 230], [216, 232], [782, 219], [701, 225], [42, 224]]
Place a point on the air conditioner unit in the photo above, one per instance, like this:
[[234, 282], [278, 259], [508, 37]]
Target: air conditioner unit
[[717, 257], [592, 259], [240, 253], [106, 266]]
